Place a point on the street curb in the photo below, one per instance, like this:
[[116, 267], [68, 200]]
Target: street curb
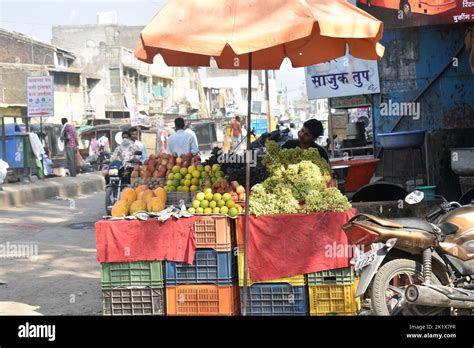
[[13, 196]]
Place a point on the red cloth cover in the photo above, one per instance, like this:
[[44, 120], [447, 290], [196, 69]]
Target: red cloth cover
[[134, 240], [291, 244]]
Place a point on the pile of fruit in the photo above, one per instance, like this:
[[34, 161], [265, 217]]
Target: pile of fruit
[[276, 157], [208, 203], [140, 199], [296, 188], [157, 168], [192, 178], [236, 171]]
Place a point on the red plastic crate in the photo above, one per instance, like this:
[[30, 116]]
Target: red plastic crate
[[359, 174], [202, 300], [214, 232]]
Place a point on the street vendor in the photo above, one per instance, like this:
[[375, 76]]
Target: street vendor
[[307, 136]]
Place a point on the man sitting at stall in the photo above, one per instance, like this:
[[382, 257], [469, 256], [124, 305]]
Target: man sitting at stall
[[307, 136]]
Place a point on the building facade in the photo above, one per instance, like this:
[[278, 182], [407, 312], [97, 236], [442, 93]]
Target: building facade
[[21, 57]]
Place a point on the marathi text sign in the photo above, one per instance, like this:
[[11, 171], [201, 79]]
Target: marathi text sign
[[346, 76], [40, 96], [397, 14]]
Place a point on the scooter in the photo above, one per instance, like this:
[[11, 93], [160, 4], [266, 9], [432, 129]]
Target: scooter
[[411, 266]]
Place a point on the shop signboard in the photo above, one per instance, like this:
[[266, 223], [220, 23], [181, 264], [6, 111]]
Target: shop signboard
[[349, 102], [410, 13], [345, 76], [40, 96]]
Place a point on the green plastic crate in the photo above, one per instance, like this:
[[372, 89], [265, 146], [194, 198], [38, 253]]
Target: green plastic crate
[[341, 276], [143, 273]]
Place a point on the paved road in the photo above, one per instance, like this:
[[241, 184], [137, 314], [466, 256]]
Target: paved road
[[59, 275]]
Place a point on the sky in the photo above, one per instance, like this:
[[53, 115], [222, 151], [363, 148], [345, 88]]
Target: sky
[[36, 18]]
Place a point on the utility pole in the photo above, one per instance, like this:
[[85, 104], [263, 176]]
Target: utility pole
[[267, 102]]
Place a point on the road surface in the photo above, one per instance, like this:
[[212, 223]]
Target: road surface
[[48, 260]]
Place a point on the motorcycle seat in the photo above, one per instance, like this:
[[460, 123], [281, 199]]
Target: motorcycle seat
[[414, 223]]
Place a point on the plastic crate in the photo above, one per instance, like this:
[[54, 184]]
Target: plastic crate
[[202, 300], [333, 300], [209, 267], [120, 274], [341, 276], [173, 198], [298, 280], [276, 300], [133, 301], [215, 232]]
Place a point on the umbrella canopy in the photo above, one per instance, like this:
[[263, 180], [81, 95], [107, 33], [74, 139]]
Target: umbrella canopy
[[190, 32]]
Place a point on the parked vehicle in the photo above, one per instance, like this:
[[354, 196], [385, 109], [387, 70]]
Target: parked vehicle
[[411, 266], [118, 178], [429, 7]]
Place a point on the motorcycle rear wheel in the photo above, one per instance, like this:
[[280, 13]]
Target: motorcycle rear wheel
[[388, 290]]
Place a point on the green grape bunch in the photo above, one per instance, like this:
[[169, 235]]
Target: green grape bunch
[[276, 157], [296, 188]]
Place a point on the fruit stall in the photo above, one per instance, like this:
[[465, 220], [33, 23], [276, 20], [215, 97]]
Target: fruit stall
[[175, 243]]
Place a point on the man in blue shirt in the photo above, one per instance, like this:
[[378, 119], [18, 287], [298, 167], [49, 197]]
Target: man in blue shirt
[[182, 142]]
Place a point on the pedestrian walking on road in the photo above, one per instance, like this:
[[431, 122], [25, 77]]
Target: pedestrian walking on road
[[236, 131], [69, 136]]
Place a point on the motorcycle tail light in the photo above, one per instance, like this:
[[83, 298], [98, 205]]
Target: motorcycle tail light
[[359, 235]]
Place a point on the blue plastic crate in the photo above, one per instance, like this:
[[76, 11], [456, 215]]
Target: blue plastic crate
[[209, 267], [276, 300]]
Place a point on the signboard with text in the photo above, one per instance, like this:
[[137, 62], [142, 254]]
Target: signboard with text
[[40, 96], [410, 13], [345, 76]]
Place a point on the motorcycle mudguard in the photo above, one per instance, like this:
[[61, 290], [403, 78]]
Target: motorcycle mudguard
[[368, 272]]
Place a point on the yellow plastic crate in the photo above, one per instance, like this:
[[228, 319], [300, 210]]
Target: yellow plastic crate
[[333, 299], [298, 280]]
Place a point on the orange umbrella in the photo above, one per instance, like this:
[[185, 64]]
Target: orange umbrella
[[258, 34], [189, 32]]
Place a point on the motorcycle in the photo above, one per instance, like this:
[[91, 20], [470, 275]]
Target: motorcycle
[[411, 266], [118, 178]]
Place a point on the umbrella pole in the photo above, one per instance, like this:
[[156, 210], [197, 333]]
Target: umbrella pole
[[247, 188]]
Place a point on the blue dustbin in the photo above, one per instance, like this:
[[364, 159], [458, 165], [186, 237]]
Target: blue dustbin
[[14, 143]]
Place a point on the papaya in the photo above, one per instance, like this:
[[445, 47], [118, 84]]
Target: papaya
[[155, 205], [145, 195], [141, 188], [138, 206], [160, 193], [129, 195], [120, 208]]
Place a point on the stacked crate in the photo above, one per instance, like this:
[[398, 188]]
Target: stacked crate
[[208, 286], [133, 288], [332, 292], [277, 297]]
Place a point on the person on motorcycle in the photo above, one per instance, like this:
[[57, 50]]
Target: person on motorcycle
[[133, 133], [307, 136], [125, 152]]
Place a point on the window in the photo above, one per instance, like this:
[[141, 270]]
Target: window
[[114, 78]]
